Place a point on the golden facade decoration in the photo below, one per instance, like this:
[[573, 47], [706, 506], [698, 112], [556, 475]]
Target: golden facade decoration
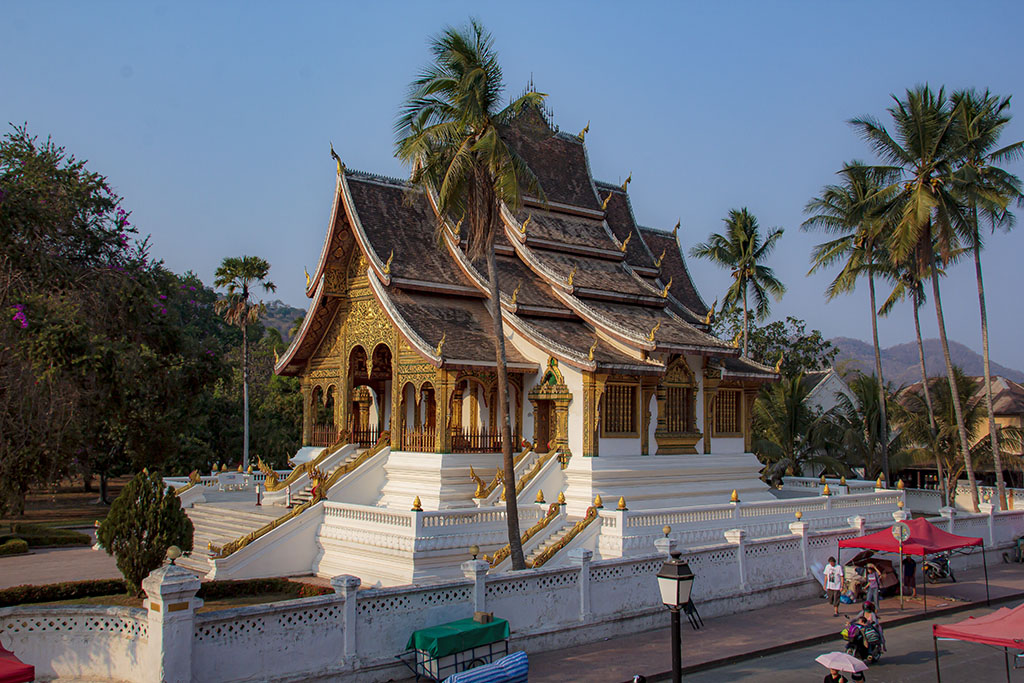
[[550, 400], [676, 432]]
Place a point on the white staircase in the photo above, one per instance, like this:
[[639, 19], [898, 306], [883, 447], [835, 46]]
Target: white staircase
[[306, 493], [219, 524], [551, 539]]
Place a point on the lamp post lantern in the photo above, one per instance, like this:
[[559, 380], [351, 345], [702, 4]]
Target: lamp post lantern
[[675, 581]]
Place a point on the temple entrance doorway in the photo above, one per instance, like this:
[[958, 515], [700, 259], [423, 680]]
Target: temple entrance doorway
[[542, 417]]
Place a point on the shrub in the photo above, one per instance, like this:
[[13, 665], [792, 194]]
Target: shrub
[[52, 592], [144, 521], [13, 546], [37, 536]]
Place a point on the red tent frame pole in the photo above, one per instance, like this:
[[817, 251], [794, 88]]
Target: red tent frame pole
[[924, 580], [984, 563], [938, 674], [1006, 658]]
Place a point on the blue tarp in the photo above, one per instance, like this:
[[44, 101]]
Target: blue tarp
[[511, 669]]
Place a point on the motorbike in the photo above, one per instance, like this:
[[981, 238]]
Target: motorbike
[[937, 567]]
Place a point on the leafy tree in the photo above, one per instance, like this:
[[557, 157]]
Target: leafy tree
[[928, 218], [144, 521], [451, 130], [986, 190], [858, 427], [742, 251], [239, 276], [800, 350], [853, 211]]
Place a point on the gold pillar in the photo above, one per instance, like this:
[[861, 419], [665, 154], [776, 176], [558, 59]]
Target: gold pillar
[[307, 412], [562, 423], [591, 423], [444, 385]]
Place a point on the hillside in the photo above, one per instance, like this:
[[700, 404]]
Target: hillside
[[281, 316], [900, 362]]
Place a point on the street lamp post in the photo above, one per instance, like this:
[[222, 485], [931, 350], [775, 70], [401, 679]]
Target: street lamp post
[[675, 581]]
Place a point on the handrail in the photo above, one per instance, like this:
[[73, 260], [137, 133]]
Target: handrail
[[532, 472], [272, 483], [193, 479], [483, 490], [320, 492], [501, 553], [577, 528]]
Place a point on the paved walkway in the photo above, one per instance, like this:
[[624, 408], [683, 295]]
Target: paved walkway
[[53, 565], [738, 636]]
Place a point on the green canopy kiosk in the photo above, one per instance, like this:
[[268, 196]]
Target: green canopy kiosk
[[449, 648]]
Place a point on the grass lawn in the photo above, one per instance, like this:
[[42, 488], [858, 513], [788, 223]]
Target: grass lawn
[[68, 504], [211, 606]]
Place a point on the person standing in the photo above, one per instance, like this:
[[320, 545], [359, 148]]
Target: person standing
[[833, 676], [910, 575], [873, 582], [833, 584]]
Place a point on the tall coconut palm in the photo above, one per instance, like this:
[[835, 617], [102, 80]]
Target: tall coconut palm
[[743, 252], [452, 130], [240, 276], [927, 216], [986, 190], [859, 425], [855, 211]]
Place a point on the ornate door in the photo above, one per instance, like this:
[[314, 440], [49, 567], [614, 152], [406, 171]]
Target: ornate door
[[542, 425]]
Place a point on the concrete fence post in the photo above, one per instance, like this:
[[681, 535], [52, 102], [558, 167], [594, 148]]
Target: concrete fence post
[[800, 529], [346, 586], [949, 513], [737, 537], [858, 522], [582, 557], [477, 571], [900, 515], [666, 546], [990, 510], [171, 605]]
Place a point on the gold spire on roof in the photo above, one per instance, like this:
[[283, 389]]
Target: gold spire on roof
[[590, 353], [604, 204], [309, 280], [657, 261], [628, 180], [675, 230], [337, 160], [778, 363], [711, 313], [583, 133], [650, 337], [440, 344], [625, 243], [387, 266], [664, 292], [572, 276]]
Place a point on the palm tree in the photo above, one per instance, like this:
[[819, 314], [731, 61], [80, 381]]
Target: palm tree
[[927, 217], [451, 130], [240, 275], [742, 251], [858, 426], [788, 434], [986, 189], [915, 426], [853, 210]]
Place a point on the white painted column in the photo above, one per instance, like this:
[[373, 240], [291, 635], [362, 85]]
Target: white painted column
[[800, 529], [857, 522], [581, 557], [477, 571], [346, 586], [737, 538], [949, 513], [171, 605], [666, 546], [990, 510]]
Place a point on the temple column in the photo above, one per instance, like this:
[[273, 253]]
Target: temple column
[[712, 378], [591, 435], [307, 412], [444, 386], [561, 405], [747, 406], [646, 393]]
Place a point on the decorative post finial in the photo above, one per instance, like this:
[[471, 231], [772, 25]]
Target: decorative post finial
[[590, 353], [735, 497], [440, 344], [842, 480], [598, 503], [666, 530], [664, 292], [387, 266], [799, 515], [826, 491], [879, 483], [625, 242], [650, 336], [561, 498], [622, 504], [540, 496], [628, 180], [416, 505], [583, 133]]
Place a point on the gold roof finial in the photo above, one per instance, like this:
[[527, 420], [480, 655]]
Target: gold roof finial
[[561, 498], [277, 359], [540, 496], [604, 204], [590, 353], [622, 504], [583, 133], [309, 280], [337, 160], [650, 336], [416, 505], [625, 243], [736, 340], [735, 497], [657, 261], [522, 228], [598, 503], [440, 344], [628, 180], [387, 266], [778, 363], [572, 276], [515, 293], [675, 230], [664, 292]]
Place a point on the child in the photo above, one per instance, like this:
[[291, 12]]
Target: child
[[833, 584], [873, 580]]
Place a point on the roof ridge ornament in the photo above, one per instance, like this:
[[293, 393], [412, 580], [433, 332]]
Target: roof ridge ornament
[[522, 228], [458, 228], [710, 317], [626, 242], [572, 276], [664, 292], [736, 340], [387, 266], [309, 280], [657, 261], [337, 160], [675, 230], [650, 336], [583, 133], [515, 292], [604, 204], [628, 180], [778, 363], [593, 347], [440, 344]]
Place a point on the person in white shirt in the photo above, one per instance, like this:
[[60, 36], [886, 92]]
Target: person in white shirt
[[833, 583]]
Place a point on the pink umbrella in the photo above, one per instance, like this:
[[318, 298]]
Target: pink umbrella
[[840, 661]]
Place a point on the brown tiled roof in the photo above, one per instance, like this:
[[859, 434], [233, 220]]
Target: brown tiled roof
[[738, 365], [533, 292], [1007, 395], [559, 161], [565, 228], [395, 218], [674, 266], [672, 332], [578, 336], [619, 216], [592, 273], [464, 322]]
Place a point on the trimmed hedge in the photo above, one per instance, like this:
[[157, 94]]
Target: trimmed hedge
[[13, 546], [37, 536], [211, 590]]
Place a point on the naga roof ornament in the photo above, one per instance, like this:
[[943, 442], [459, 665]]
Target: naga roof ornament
[[628, 180], [675, 230], [650, 337], [522, 228], [515, 292], [440, 344], [625, 242], [664, 292], [583, 133], [590, 353], [572, 276], [309, 280], [337, 160], [387, 266], [604, 204], [657, 261]]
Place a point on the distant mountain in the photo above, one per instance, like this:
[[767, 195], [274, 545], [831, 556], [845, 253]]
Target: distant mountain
[[900, 363], [281, 316]]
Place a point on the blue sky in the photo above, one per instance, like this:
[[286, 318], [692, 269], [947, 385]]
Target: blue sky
[[213, 119]]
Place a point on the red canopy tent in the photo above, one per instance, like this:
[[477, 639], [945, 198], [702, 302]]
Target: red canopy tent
[[1003, 628], [13, 670], [925, 539]]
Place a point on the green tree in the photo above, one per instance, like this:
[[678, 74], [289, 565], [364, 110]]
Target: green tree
[[789, 434], [800, 350], [986, 190], [239, 276], [144, 521], [742, 251], [852, 211], [859, 428], [927, 215], [451, 129]]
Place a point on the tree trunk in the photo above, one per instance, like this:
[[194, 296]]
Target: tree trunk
[[103, 488], [883, 417], [511, 504], [745, 349], [928, 402], [965, 447], [245, 392], [993, 432]]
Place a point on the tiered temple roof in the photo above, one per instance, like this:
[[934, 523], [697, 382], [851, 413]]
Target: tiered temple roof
[[580, 279]]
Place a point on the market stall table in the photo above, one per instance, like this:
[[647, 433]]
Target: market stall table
[[442, 650]]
